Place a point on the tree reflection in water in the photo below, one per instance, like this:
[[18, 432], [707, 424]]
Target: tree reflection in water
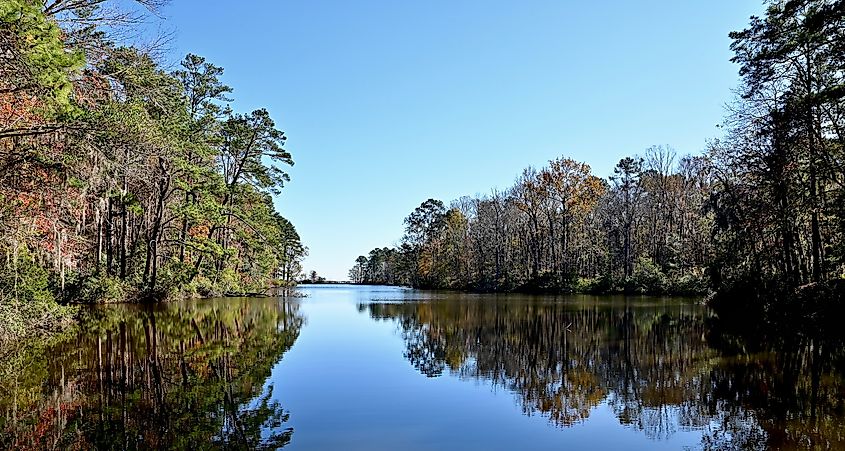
[[657, 364], [176, 376]]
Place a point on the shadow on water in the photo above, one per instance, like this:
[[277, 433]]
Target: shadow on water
[[164, 377], [662, 366]]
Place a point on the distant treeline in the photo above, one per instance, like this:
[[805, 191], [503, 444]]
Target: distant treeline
[[121, 178], [759, 216], [561, 228]]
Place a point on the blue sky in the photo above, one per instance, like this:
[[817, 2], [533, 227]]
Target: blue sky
[[387, 103]]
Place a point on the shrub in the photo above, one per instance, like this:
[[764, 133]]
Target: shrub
[[174, 275], [647, 278], [690, 283], [201, 286], [98, 289], [25, 281], [594, 285], [229, 281]]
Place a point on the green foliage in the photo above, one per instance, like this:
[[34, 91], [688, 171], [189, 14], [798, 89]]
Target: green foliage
[[230, 281], [96, 289], [695, 282], [27, 305], [200, 286], [23, 280], [646, 278], [50, 63], [780, 223], [175, 275], [561, 229], [249, 140], [158, 189], [595, 285]]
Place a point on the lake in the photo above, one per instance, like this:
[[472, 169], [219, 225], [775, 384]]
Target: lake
[[363, 367]]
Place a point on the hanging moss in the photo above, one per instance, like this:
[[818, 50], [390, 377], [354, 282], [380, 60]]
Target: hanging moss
[[24, 281]]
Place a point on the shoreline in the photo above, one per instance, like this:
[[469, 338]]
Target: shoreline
[[704, 294], [23, 322]]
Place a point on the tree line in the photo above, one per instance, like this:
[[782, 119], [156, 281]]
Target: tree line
[[120, 178], [561, 227], [760, 213]]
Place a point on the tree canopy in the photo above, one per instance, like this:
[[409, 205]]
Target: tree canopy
[[121, 178]]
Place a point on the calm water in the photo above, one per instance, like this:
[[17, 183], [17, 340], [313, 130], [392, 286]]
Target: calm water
[[388, 368]]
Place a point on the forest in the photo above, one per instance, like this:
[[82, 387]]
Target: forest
[[562, 228], [757, 217], [657, 297], [122, 179]]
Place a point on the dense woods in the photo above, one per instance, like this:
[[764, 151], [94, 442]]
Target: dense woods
[[780, 216], [122, 179], [758, 216], [129, 179], [562, 228]]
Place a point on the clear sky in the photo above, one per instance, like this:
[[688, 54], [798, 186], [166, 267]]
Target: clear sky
[[389, 102]]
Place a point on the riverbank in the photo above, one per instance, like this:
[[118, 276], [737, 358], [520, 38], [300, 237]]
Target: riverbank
[[650, 284], [41, 312]]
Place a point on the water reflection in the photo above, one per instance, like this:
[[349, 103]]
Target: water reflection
[[659, 365], [789, 378], [169, 377]]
